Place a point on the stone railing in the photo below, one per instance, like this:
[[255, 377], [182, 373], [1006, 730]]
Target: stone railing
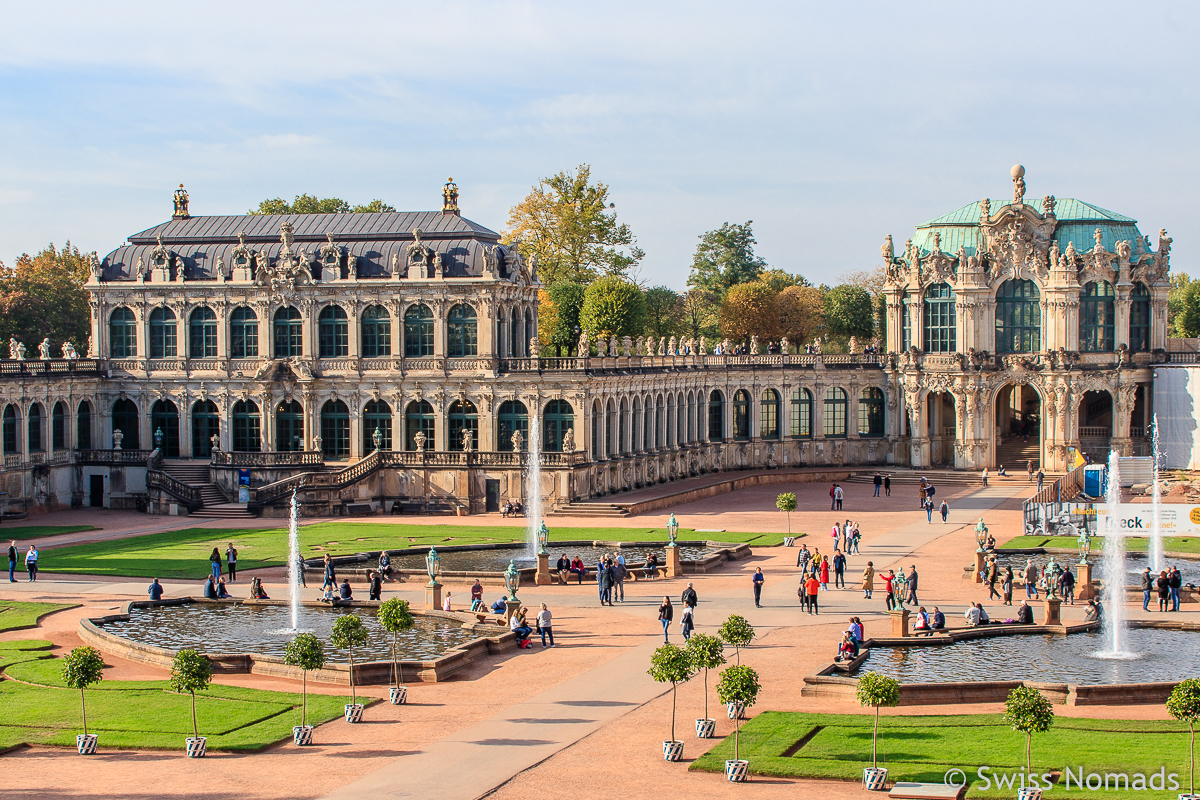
[[1095, 432], [52, 366], [131, 458], [294, 458], [1183, 358], [168, 483], [691, 361]]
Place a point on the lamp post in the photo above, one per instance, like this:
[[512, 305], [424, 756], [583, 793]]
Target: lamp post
[[512, 580], [672, 530], [543, 534], [377, 438], [433, 590], [158, 439], [542, 576], [674, 568], [981, 534]]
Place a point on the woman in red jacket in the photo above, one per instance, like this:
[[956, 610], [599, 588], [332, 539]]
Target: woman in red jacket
[[824, 573], [887, 585]]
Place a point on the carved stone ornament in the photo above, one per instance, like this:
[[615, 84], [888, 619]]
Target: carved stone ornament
[[289, 270]]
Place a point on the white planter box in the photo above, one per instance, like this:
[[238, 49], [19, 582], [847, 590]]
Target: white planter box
[[86, 742], [354, 712], [705, 728], [672, 751], [398, 695], [302, 735], [735, 711], [197, 746], [874, 779], [735, 771], [1029, 794]]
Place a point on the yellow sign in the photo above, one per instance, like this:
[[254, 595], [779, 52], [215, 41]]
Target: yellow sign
[[1195, 516]]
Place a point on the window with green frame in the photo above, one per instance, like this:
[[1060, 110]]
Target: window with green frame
[[716, 416], [333, 334], [243, 333], [164, 418], [1018, 317], [1097, 318], [464, 423], [769, 415], [462, 332], [122, 333], [36, 442], [206, 423], [125, 418], [202, 333], [162, 333], [802, 403], [83, 426], [512, 417], [12, 442], [870, 412], [905, 324], [376, 332], [58, 427], [288, 333], [247, 427], [741, 415], [557, 419], [835, 413], [289, 426], [418, 331], [335, 430], [940, 334], [377, 416], [419, 417], [1139, 318]]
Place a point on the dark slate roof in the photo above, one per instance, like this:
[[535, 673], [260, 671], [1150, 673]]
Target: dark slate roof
[[200, 241]]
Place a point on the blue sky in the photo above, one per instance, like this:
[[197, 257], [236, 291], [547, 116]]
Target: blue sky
[[828, 124]]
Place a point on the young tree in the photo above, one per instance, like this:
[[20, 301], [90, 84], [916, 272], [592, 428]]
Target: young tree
[[707, 652], [311, 204], [877, 690], [663, 311], [738, 684], [671, 664], [559, 305], [307, 653], [81, 668], [191, 672], [749, 310], [1184, 705], [736, 632], [849, 312], [724, 258], [801, 313], [43, 296], [1028, 711], [566, 222], [349, 633], [395, 618], [612, 306], [786, 502]]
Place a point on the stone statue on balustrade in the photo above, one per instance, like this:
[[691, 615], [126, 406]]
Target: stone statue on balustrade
[[215, 441], [16, 350], [535, 347], [754, 345], [517, 440], [584, 348], [568, 442], [703, 347], [118, 437], [419, 441], [68, 351], [783, 345], [468, 440], [44, 349]]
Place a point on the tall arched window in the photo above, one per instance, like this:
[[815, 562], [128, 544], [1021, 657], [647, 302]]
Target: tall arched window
[[289, 426], [802, 402], [333, 332], [671, 427], [514, 337], [288, 333], [335, 430], [1018, 317], [418, 331], [83, 426], [377, 416], [164, 427], [202, 333], [243, 333], [1139, 319], [162, 333], [247, 427], [769, 414], [1097, 318], [597, 439], [648, 424], [37, 442], [660, 422], [464, 425], [122, 334], [513, 416], [905, 324], [557, 419], [125, 419], [690, 433], [716, 416], [205, 425], [529, 332], [462, 332], [870, 412], [741, 415], [940, 336], [376, 332], [12, 440], [58, 427], [835, 412], [419, 417], [612, 446]]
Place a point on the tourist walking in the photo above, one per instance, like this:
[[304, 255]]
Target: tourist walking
[[1041, 477], [993, 576], [1147, 587], [855, 538], [686, 624], [300, 570], [832, 496], [665, 612], [836, 535], [1029, 470], [889, 581], [604, 582], [887, 485], [838, 494], [215, 560], [985, 476], [1006, 586], [375, 585], [802, 557], [31, 562], [839, 570], [1176, 584], [12, 561], [330, 581], [231, 561], [545, 625], [878, 483], [868, 580], [1067, 580], [824, 574], [912, 585], [945, 510], [757, 580], [1031, 588], [689, 598], [811, 586], [928, 510]]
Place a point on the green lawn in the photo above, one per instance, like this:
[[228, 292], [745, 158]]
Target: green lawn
[[923, 748], [1135, 544], [38, 531], [184, 553], [15, 614], [38, 710]]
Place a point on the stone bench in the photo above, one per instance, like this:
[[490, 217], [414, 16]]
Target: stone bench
[[359, 509]]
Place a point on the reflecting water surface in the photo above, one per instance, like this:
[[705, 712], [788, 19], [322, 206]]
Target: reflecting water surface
[[497, 560]]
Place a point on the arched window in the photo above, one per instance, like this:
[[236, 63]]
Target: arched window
[[419, 417], [1097, 318], [514, 338], [125, 420], [289, 426], [58, 427], [247, 427], [557, 419], [202, 333], [243, 333], [648, 424], [164, 427], [122, 334], [870, 412], [1139, 319], [769, 414], [905, 324], [377, 416], [83, 426], [672, 428], [716, 416], [513, 416], [529, 331], [162, 333], [335, 429], [741, 415], [613, 445], [660, 422], [1018, 318], [36, 440], [835, 412], [690, 433], [597, 440], [333, 332], [418, 331], [464, 425], [802, 402], [376, 332], [12, 442], [462, 332], [289, 333], [940, 329], [205, 425]]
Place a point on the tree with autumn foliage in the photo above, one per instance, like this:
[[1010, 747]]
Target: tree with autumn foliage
[[801, 314], [43, 296], [749, 309]]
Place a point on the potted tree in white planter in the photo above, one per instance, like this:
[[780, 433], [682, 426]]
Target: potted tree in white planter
[[395, 618], [876, 690], [707, 652], [1184, 705], [737, 632], [1029, 712], [192, 672], [307, 653], [786, 502], [738, 684], [671, 664], [348, 633], [83, 667]]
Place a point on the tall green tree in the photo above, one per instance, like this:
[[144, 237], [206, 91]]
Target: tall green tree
[[43, 295], [568, 224], [612, 306], [779, 280], [311, 204], [849, 311], [1183, 306], [664, 313], [724, 258], [559, 305]]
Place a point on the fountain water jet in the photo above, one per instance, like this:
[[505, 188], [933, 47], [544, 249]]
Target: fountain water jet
[[533, 486], [1156, 537], [1114, 568], [294, 563]]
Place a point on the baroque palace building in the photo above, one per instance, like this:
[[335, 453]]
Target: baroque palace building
[[392, 358]]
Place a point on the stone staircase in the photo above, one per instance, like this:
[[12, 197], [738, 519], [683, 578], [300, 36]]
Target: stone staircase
[[1015, 453], [598, 510], [215, 504]]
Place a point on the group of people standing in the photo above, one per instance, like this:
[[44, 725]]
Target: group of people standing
[[1168, 584], [687, 620], [31, 561]]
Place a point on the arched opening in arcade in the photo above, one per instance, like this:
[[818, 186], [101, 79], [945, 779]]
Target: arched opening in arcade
[[1095, 417], [940, 415], [1018, 427]]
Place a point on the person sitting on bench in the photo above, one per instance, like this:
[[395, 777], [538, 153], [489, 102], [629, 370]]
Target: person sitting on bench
[[578, 568], [517, 625], [499, 606], [256, 590], [651, 566], [385, 566], [564, 568]]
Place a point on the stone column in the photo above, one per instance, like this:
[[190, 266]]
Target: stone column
[[899, 622]]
